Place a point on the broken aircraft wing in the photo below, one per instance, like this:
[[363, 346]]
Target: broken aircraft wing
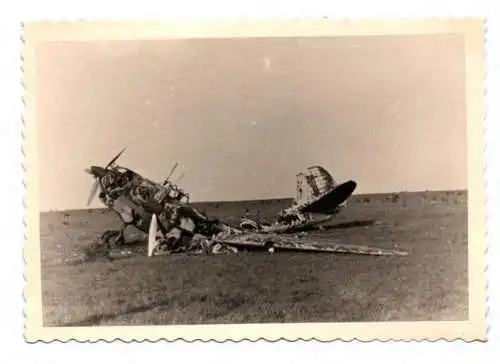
[[294, 243]]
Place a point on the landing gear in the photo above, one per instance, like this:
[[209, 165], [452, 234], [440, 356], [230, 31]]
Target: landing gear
[[113, 238], [109, 240], [102, 246]]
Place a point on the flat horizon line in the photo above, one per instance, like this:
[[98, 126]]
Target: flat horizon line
[[270, 199]]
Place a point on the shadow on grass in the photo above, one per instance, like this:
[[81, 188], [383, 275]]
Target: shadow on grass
[[349, 224], [216, 306], [97, 319]]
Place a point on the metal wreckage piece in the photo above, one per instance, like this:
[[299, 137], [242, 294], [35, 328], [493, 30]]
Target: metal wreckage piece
[[274, 241], [174, 226], [278, 237]]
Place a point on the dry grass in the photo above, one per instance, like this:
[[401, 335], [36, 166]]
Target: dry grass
[[429, 284]]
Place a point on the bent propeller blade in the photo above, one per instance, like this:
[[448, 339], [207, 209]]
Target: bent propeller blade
[[115, 158], [93, 192], [153, 226]]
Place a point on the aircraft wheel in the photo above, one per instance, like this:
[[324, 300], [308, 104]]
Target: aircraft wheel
[[270, 247]]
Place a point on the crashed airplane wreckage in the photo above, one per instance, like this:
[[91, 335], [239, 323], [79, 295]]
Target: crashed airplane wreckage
[[163, 211]]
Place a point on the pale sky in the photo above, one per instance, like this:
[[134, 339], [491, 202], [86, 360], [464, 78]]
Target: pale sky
[[244, 116]]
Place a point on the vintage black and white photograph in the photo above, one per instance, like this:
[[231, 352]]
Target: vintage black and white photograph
[[219, 178]]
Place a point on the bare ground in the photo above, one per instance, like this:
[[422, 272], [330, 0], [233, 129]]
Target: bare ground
[[428, 284]]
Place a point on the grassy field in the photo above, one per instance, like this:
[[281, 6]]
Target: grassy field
[[428, 284]]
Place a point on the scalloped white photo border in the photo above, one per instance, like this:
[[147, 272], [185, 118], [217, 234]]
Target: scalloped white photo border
[[471, 29]]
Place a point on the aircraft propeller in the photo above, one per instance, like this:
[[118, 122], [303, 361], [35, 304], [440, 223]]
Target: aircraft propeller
[[98, 173], [114, 159], [93, 191]]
